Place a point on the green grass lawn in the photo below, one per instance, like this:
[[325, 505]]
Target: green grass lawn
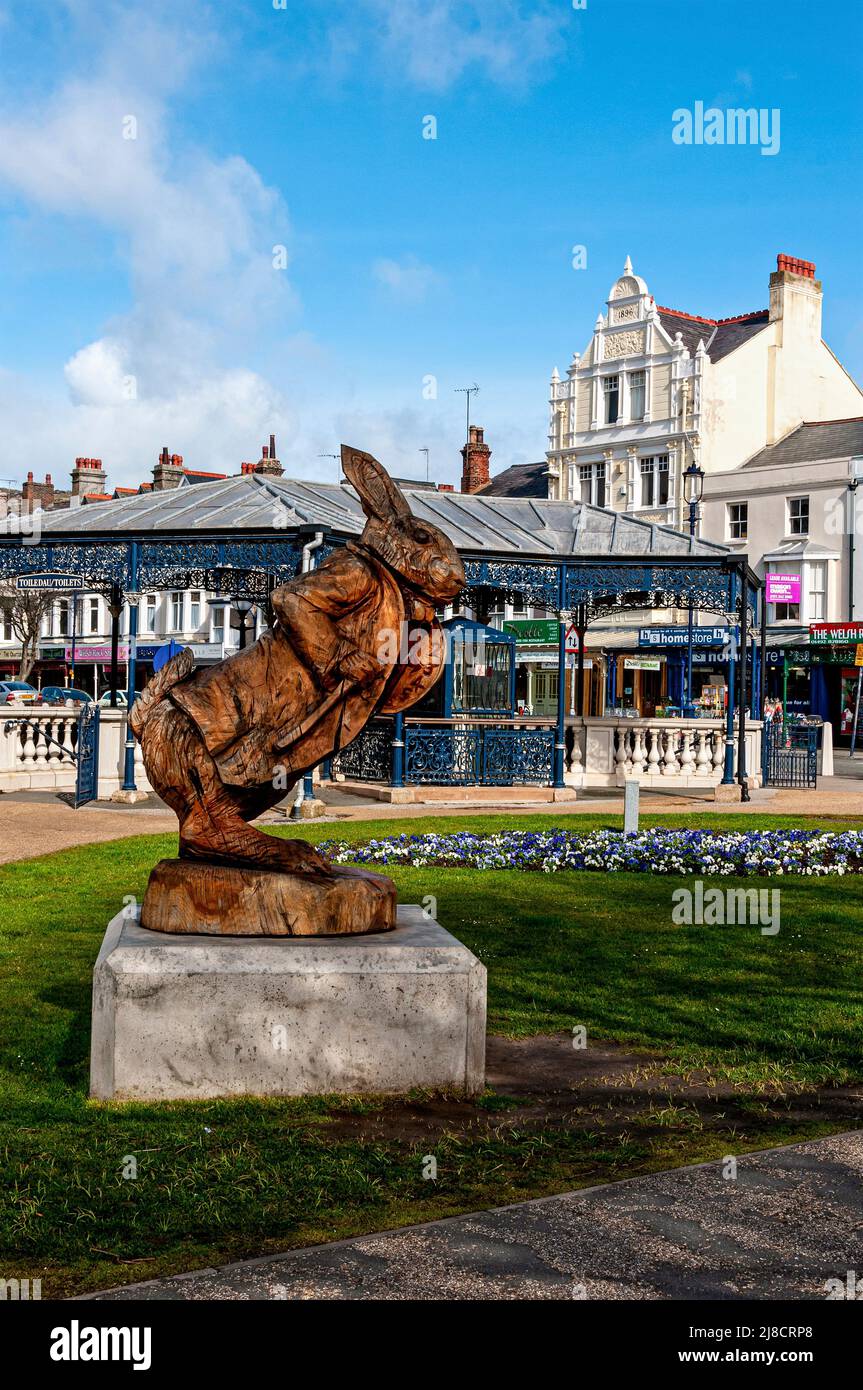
[[221, 1180]]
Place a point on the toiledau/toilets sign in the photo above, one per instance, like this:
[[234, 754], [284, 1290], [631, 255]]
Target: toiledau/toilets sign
[[50, 582]]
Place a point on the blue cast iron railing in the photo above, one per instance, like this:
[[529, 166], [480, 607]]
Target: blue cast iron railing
[[369, 757], [454, 752], [789, 754]]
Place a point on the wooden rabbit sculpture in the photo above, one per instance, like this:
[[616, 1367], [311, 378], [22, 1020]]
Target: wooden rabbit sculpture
[[223, 743]]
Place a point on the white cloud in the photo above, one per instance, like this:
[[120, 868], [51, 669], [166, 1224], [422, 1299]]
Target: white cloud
[[97, 375], [197, 234], [436, 43], [407, 280]]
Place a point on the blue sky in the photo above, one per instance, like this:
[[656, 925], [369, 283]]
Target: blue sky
[[139, 303]]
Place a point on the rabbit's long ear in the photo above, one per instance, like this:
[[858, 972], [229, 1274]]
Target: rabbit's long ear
[[378, 493]]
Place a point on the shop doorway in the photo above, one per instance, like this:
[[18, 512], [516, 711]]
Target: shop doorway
[[544, 700]]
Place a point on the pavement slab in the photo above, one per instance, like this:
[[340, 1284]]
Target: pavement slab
[[791, 1219]]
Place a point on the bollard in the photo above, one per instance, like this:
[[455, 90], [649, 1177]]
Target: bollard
[[631, 789]]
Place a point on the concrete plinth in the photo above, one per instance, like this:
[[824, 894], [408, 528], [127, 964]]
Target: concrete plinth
[[728, 791], [194, 1017]]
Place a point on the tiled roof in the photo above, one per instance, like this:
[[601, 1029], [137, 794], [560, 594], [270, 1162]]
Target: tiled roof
[[720, 336], [520, 480], [197, 475], [814, 440]]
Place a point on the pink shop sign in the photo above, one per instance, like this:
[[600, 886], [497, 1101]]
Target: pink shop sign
[[783, 588]]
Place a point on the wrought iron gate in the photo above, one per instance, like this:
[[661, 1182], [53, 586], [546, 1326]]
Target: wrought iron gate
[[789, 755], [87, 754]]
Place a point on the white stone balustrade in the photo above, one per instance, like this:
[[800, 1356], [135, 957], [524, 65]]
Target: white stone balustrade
[[657, 752], [35, 752]]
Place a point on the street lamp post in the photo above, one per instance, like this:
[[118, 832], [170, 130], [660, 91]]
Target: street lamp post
[[693, 489], [244, 607]]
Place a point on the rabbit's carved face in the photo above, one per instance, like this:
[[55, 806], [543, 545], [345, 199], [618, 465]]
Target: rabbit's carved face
[[418, 551], [421, 554]]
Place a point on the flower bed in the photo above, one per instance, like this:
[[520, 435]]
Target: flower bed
[[657, 851]]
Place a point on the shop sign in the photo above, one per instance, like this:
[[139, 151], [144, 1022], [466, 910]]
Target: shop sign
[[83, 651], [835, 634], [533, 629], [679, 636], [52, 653], [811, 656], [782, 588], [642, 663], [50, 580], [858, 655]]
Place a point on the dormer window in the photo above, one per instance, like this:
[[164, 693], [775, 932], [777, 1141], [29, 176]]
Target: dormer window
[[611, 386]]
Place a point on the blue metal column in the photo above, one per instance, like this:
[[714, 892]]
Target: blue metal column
[[398, 768], [611, 682], [560, 740], [132, 598], [728, 768], [741, 699]]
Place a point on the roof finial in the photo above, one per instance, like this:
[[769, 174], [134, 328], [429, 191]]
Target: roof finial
[[627, 269]]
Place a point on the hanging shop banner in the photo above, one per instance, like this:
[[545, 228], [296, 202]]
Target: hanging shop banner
[[782, 588], [679, 636], [835, 634], [642, 663]]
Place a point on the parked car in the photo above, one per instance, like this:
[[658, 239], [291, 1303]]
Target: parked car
[[12, 692], [62, 694], [105, 700]]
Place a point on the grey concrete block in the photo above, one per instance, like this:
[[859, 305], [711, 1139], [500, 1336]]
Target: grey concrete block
[[192, 1017]]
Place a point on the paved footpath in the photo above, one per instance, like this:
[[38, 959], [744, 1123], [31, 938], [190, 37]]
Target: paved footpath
[[791, 1220], [34, 823]]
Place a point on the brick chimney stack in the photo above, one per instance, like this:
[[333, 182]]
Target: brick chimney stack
[[35, 495], [88, 475], [475, 456], [168, 472], [269, 464], [795, 296]]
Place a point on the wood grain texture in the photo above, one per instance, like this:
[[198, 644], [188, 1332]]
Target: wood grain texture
[[229, 900]]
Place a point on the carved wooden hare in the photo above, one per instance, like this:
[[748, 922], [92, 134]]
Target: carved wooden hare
[[221, 744]]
